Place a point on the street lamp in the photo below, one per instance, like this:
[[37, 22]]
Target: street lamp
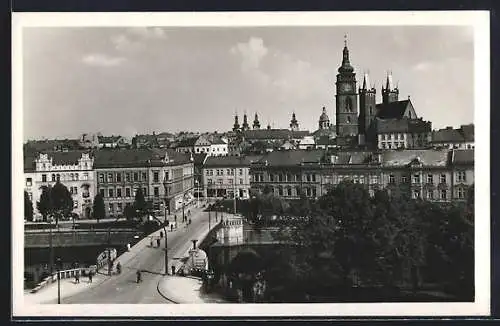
[[166, 245], [59, 265]]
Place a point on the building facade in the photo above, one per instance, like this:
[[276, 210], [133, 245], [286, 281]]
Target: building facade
[[226, 176], [435, 175], [461, 138], [74, 169], [164, 176]]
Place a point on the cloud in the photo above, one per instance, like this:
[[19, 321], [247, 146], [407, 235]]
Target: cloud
[[422, 66], [102, 60], [134, 38], [251, 52]]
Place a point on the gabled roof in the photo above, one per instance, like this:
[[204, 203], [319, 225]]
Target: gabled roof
[[187, 142], [325, 140], [396, 110], [108, 139], [351, 157], [449, 135], [53, 144], [70, 157], [199, 158], [291, 158], [463, 157], [218, 141], [402, 125], [225, 161], [428, 157]]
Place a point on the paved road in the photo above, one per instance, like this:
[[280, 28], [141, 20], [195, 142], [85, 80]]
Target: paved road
[[124, 289]]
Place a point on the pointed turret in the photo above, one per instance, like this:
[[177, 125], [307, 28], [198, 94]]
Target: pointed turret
[[236, 126], [367, 111], [256, 123], [366, 81], [324, 120], [245, 125], [346, 65], [294, 124], [389, 92]]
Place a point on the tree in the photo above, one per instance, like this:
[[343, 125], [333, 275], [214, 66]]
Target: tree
[[129, 211], [28, 207], [44, 205], [140, 204], [55, 202], [98, 209], [62, 200]]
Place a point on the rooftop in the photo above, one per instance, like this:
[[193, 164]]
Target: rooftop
[[428, 157], [449, 135]]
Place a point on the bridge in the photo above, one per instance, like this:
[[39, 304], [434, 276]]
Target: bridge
[[77, 238]]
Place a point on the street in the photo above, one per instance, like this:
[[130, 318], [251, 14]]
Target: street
[[124, 289]]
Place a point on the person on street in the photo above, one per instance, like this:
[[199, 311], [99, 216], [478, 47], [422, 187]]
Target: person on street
[[90, 276], [173, 269], [118, 268], [171, 227], [139, 279], [77, 277], [158, 242]]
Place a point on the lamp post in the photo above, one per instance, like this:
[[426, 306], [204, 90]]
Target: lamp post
[[59, 264], [166, 245]]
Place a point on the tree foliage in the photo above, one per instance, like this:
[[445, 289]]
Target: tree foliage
[[129, 211], [347, 238], [55, 202], [28, 207], [140, 204], [98, 208]]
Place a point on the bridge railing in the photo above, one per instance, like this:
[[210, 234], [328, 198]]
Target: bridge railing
[[69, 273]]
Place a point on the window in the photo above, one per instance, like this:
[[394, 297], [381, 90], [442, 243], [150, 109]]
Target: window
[[127, 177], [308, 177], [119, 207], [110, 177], [219, 181], [430, 194], [404, 179], [313, 177], [75, 203], [416, 178], [280, 177], [71, 176], [228, 172], [101, 191], [118, 177], [156, 177], [241, 181], [209, 182], [85, 176], [144, 176], [30, 195], [348, 119], [75, 190], [349, 105], [416, 193], [53, 178], [442, 178], [127, 192], [288, 191], [144, 192], [119, 192], [430, 179], [110, 192], [167, 175], [313, 192], [443, 194], [230, 181], [461, 176], [374, 179], [241, 171], [111, 207], [58, 177], [280, 191], [44, 178], [136, 176], [156, 191], [461, 193], [271, 177], [29, 182], [76, 176]]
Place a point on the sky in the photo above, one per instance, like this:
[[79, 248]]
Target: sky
[[138, 80]]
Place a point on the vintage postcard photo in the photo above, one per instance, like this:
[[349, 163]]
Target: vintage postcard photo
[[251, 164]]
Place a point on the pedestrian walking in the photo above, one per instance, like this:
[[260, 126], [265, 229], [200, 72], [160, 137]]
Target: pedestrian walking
[[175, 218], [158, 242], [138, 274], [173, 269], [171, 227], [90, 276], [77, 277]]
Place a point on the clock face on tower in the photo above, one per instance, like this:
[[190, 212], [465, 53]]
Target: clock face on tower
[[344, 87]]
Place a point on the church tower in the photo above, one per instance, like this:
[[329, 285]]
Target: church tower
[[389, 93], [347, 98], [256, 123], [245, 125], [324, 120], [367, 107], [294, 124], [236, 126]]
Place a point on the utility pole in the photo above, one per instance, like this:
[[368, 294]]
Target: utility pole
[[51, 253], [109, 252], [234, 191], [59, 263]]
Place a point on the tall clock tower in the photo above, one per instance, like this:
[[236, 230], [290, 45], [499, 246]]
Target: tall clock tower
[[347, 98]]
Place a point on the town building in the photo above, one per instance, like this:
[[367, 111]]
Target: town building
[[161, 140], [431, 174], [227, 176], [208, 144], [165, 177], [74, 169], [112, 141], [461, 138]]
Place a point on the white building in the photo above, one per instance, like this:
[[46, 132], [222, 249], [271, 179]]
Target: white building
[[74, 169], [307, 143], [226, 176]]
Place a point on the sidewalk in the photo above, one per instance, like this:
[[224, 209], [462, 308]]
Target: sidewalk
[[70, 288], [186, 289]]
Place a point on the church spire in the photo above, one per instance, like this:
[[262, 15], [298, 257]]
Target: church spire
[[366, 81], [346, 65], [236, 126], [294, 124], [256, 123], [245, 125]]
